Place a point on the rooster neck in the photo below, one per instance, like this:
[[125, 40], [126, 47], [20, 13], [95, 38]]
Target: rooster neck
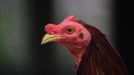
[[77, 53]]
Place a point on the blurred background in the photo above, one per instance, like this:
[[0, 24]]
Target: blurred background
[[21, 30]]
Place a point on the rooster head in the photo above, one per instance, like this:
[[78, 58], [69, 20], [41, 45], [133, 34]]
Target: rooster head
[[71, 34]]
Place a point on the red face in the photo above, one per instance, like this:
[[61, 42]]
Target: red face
[[72, 34]]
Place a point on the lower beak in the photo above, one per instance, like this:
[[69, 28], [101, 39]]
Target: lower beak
[[49, 38]]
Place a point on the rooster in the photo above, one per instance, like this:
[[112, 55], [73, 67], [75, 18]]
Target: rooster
[[92, 52]]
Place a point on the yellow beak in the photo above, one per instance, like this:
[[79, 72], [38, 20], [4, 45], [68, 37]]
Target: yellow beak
[[49, 38]]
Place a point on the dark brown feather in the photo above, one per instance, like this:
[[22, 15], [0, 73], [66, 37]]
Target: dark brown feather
[[100, 57]]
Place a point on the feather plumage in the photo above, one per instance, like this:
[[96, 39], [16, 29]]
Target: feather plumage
[[100, 57]]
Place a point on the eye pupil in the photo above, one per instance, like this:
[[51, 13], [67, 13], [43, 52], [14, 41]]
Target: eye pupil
[[69, 30]]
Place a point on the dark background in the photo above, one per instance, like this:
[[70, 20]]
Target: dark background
[[124, 28], [39, 60]]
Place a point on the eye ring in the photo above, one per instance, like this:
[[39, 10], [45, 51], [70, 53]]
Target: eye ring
[[69, 30]]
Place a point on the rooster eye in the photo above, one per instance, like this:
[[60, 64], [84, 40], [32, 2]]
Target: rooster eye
[[69, 30]]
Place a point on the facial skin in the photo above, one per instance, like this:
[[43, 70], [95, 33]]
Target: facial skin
[[71, 34]]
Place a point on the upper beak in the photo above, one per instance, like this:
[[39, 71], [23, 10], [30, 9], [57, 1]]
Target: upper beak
[[49, 38]]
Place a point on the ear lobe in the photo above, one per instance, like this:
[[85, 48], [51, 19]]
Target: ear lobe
[[81, 35]]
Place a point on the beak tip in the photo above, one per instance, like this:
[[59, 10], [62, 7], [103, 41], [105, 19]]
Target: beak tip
[[42, 43], [49, 38]]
